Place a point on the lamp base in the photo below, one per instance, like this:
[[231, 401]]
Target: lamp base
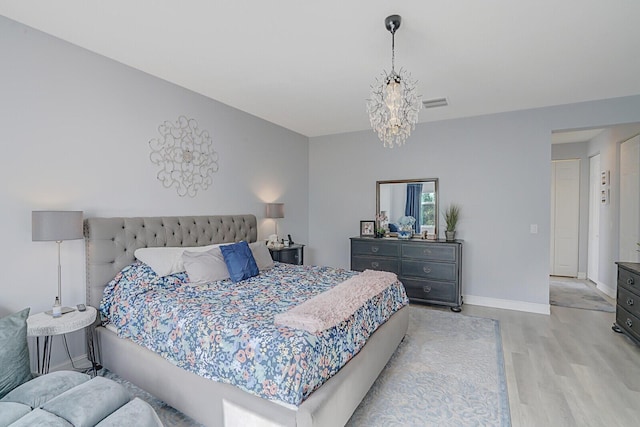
[[64, 310]]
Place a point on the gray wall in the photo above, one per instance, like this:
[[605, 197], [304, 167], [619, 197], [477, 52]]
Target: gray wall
[[497, 167], [75, 132]]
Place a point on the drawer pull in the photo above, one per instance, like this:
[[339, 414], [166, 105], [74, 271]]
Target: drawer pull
[[630, 281], [426, 270], [427, 251], [374, 249], [426, 289], [375, 264], [629, 323], [630, 301]]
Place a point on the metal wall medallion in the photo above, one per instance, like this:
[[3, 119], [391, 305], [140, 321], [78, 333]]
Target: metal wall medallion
[[185, 156]]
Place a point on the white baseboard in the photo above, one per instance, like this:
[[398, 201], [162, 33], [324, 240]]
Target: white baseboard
[[607, 290], [582, 275], [530, 307], [81, 362]]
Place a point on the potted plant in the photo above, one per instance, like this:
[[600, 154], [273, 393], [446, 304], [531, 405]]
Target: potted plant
[[381, 224], [451, 217]]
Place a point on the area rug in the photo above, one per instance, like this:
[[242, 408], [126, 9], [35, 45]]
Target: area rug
[[448, 371], [575, 294]]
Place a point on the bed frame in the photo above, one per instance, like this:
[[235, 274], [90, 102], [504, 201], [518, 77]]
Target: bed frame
[[111, 243]]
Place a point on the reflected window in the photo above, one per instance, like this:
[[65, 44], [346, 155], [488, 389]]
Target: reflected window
[[428, 210]]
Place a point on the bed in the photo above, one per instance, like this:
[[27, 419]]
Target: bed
[[111, 243]]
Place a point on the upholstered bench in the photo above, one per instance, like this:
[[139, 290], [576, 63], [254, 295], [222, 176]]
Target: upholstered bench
[[64, 398], [68, 398]]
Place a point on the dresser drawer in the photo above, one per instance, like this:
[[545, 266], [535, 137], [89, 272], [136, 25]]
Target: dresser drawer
[[375, 247], [629, 280], [430, 290], [429, 270], [361, 263], [439, 252], [629, 301], [628, 322]]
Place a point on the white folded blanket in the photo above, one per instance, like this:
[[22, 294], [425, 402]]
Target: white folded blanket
[[329, 308]]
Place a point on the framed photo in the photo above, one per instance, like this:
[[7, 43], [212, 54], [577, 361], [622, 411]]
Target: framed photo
[[367, 228]]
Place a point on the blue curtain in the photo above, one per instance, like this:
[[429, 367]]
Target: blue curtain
[[414, 202]]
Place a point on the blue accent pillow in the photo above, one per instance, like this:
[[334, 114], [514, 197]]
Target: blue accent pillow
[[393, 228], [240, 261], [15, 367]]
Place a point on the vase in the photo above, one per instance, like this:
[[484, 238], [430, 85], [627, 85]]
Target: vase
[[450, 235], [404, 234]]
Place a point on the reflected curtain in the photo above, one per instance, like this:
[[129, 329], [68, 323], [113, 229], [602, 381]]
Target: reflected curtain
[[414, 203]]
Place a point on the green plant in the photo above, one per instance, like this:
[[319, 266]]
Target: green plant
[[451, 216]]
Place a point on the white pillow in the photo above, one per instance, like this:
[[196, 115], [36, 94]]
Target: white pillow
[[262, 255], [206, 266], [167, 260]]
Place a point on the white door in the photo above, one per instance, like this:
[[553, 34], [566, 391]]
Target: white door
[[593, 249], [565, 217], [629, 199]]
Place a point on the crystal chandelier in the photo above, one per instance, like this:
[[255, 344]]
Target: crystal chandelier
[[394, 104]]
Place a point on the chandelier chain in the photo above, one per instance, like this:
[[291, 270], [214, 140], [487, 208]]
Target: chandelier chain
[[393, 52]]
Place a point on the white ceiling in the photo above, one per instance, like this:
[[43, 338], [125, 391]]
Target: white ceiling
[[575, 136], [307, 65]]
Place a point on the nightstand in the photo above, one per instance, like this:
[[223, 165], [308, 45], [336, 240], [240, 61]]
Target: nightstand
[[43, 325], [293, 254]]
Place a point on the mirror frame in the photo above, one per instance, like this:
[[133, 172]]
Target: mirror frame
[[411, 181]]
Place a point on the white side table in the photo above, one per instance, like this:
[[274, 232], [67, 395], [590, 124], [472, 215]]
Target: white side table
[[44, 325]]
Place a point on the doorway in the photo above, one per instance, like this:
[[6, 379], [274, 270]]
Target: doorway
[[629, 199]]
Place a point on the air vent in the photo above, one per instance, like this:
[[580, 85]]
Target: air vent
[[433, 103]]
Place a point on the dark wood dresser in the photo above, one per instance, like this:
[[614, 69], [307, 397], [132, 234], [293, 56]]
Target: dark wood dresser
[[628, 301], [430, 270]]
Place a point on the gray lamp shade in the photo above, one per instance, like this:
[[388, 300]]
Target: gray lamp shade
[[275, 210], [56, 225]]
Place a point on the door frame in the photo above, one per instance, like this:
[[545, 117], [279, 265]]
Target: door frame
[[593, 234]]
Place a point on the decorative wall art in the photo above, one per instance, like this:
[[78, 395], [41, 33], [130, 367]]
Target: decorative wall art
[[605, 177], [185, 156]]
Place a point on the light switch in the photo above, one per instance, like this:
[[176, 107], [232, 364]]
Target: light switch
[[533, 228]]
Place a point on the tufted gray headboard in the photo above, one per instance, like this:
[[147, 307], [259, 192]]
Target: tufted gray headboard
[[111, 242]]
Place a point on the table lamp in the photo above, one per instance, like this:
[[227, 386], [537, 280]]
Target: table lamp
[[56, 226], [275, 211]]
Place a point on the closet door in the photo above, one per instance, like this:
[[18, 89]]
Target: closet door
[[629, 200], [565, 217]]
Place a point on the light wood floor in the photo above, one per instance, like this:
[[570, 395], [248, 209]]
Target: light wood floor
[[567, 369]]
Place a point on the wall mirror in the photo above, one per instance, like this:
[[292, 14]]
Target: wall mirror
[[411, 197]]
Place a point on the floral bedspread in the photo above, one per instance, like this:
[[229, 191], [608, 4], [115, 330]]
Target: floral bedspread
[[225, 331]]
